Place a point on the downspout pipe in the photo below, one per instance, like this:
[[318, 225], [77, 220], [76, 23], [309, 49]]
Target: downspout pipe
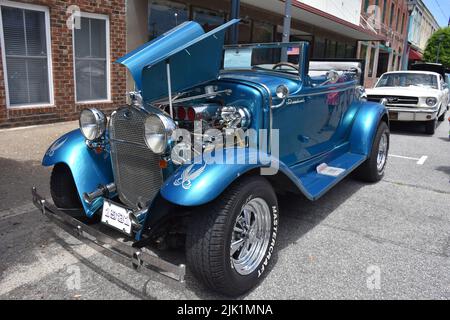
[[234, 31]]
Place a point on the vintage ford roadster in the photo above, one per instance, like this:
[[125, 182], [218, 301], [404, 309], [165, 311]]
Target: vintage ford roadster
[[210, 138]]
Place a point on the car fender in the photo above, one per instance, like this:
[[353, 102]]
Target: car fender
[[365, 126], [89, 169], [201, 182]]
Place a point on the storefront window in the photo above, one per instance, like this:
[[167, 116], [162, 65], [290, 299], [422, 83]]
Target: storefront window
[[363, 52], [208, 19], [165, 15], [373, 51], [340, 53], [350, 50], [262, 32], [319, 48], [330, 49], [245, 31]]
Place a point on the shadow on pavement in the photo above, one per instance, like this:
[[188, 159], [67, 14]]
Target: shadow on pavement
[[16, 180], [410, 128], [304, 215]]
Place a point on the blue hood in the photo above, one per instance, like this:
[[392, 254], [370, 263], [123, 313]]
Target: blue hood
[[194, 56]]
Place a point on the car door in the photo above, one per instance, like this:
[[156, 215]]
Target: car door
[[310, 123]]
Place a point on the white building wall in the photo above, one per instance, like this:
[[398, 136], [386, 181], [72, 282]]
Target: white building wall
[[423, 25], [348, 10]]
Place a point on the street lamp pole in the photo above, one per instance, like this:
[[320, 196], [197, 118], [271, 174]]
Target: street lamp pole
[[440, 39], [411, 5], [286, 27]]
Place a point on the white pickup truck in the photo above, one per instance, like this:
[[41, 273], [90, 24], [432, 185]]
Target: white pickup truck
[[413, 96]]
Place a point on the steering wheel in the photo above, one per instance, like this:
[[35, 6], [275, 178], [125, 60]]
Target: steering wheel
[[286, 64]]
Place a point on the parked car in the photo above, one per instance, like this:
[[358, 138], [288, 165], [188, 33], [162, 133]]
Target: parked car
[[447, 81], [417, 95], [134, 174]]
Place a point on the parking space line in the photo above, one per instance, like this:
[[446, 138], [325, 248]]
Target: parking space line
[[420, 161]]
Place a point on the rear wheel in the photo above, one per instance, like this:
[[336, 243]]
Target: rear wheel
[[430, 126], [231, 240], [63, 189], [372, 170]]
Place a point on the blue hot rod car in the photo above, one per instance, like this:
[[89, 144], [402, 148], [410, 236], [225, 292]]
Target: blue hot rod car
[[210, 137]]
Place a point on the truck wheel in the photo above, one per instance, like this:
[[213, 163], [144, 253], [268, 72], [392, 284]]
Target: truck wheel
[[62, 188], [231, 240], [430, 126], [372, 170]]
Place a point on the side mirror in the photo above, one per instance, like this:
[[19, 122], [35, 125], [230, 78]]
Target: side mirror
[[444, 86]]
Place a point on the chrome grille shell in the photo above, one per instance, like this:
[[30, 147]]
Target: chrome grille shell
[[137, 174]]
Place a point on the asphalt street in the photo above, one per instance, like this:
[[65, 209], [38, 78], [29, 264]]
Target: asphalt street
[[389, 240]]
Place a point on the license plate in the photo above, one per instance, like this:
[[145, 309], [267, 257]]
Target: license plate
[[393, 115], [116, 216]]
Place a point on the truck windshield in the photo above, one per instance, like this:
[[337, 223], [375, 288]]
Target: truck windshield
[[283, 58], [408, 80]]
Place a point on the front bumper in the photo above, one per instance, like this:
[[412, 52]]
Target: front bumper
[[412, 114], [138, 258]]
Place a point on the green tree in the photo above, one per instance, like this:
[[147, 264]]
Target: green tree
[[439, 42]]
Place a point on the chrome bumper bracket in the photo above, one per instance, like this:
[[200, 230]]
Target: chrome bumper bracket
[[137, 257]]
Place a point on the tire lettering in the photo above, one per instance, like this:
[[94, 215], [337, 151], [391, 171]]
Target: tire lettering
[[272, 243]]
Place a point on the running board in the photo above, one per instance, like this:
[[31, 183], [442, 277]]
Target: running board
[[138, 258], [317, 184]]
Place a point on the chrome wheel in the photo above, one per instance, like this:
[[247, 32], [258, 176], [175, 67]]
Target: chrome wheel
[[251, 235], [382, 152]]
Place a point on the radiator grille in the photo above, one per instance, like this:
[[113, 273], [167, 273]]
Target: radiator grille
[[137, 174], [394, 100]]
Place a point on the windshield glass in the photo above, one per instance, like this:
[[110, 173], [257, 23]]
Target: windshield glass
[[408, 80], [274, 57]]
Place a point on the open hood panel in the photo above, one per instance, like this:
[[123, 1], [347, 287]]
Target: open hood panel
[[194, 57]]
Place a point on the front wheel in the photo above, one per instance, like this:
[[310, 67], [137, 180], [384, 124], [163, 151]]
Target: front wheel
[[442, 116], [372, 170], [430, 126], [231, 241]]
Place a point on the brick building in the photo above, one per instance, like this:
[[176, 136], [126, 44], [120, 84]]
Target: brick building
[[389, 18], [49, 70], [42, 78]]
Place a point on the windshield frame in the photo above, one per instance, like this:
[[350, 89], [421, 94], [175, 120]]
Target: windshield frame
[[302, 45], [409, 73]]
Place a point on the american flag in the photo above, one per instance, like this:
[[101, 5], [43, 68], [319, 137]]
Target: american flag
[[293, 51]]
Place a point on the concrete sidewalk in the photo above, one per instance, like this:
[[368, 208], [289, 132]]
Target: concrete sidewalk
[[21, 153]]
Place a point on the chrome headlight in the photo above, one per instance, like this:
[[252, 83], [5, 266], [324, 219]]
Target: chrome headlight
[[158, 131], [431, 101], [92, 123]]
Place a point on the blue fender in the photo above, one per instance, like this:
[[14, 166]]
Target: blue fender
[[199, 183], [89, 169], [365, 127]]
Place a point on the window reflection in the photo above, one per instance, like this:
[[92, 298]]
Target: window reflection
[[262, 32], [208, 19], [165, 15]]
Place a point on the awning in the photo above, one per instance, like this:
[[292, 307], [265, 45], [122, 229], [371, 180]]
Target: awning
[[321, 19], [415, 55]]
